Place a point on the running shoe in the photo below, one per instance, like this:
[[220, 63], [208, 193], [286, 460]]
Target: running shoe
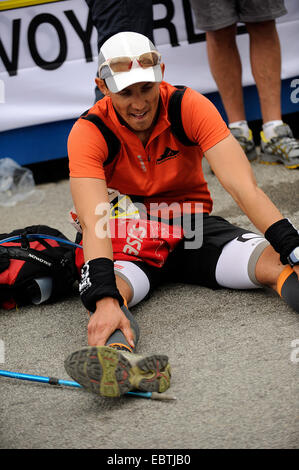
[[282, 148], [111, 373], [247, 144]]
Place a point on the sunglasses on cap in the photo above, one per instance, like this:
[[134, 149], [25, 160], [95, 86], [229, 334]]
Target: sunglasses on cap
[[124, 64]]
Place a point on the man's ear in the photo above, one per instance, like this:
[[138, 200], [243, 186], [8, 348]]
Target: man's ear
[[163, 69], [102, 86]]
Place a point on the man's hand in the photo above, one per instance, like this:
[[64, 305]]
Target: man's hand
[[107, 318]]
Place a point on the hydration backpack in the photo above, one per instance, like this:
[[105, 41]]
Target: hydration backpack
[[36, 265]]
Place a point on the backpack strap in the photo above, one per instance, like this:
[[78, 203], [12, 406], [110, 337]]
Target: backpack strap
[[112, 141], [34, 256], [52, 257], [175, 116]]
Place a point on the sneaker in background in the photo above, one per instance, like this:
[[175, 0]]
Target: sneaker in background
[[247, 143], [281, 148]]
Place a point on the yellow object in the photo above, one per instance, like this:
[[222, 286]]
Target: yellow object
[[12, 4], [263, 137], [124, 208]]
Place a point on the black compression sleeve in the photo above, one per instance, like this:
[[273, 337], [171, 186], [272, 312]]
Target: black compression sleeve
[[98, 281], [283, 237]]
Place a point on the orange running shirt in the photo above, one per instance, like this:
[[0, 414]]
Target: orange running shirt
[[164, 170]]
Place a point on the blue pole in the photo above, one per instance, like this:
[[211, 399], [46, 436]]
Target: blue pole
[[38, 378], [54, 381]]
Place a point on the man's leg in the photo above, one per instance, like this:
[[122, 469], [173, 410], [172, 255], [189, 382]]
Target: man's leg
[[256, 264], [118, 339], [277, 141], [226, 68], [265, 58], [268, 268], [114, 16], [233, 258], [131, 297], [113, 370], [281, 278]]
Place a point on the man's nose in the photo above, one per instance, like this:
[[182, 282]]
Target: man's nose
[[138, 102]]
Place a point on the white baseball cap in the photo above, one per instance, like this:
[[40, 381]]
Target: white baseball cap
[[128, 45]]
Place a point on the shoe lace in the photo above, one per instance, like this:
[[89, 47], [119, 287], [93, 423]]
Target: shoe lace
[[285, 139], [289, 143]]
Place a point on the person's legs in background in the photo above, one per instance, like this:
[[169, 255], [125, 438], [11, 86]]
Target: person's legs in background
[[277, 141], [226, 68], [265, 59], [219, 21]]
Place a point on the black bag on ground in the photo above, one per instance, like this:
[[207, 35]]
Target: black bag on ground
[[34, 268]]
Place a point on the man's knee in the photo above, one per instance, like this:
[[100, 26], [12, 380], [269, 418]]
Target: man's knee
[[280, 277], [236, 266], [224, 37], [261, 28], [268, 267], [131, 281]]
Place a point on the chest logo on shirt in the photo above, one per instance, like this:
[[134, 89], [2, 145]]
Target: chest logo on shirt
[[167, 155]]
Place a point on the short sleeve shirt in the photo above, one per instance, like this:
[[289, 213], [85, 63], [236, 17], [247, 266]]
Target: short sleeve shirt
[[164, 170]]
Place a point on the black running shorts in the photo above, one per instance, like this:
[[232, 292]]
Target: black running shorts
[[196, 266]]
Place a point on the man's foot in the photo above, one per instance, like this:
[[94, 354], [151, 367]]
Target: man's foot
[[283, 148], [247, 143], [110, 373]]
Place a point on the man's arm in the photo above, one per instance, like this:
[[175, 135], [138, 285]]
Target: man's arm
[[233, 170], [90, 198], [88, 195]]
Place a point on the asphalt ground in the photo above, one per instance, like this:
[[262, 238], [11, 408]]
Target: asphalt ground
[[235, 375]]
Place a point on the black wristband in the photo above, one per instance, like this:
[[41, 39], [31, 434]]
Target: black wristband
[[283, 237], [98, 281]]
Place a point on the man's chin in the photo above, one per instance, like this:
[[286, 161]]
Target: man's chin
[[140, 126]]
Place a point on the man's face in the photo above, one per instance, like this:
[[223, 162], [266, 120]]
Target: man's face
[[137, 105]]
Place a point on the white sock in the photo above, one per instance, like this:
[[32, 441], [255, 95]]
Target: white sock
[[268, 128], [241, 125]]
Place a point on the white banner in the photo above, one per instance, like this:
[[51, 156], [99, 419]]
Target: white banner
[[48, 57]]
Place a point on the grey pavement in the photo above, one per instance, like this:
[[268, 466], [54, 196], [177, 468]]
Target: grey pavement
[[233, 377]]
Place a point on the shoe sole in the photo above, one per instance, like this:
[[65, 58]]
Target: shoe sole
[[107, 372], [268, 159]]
